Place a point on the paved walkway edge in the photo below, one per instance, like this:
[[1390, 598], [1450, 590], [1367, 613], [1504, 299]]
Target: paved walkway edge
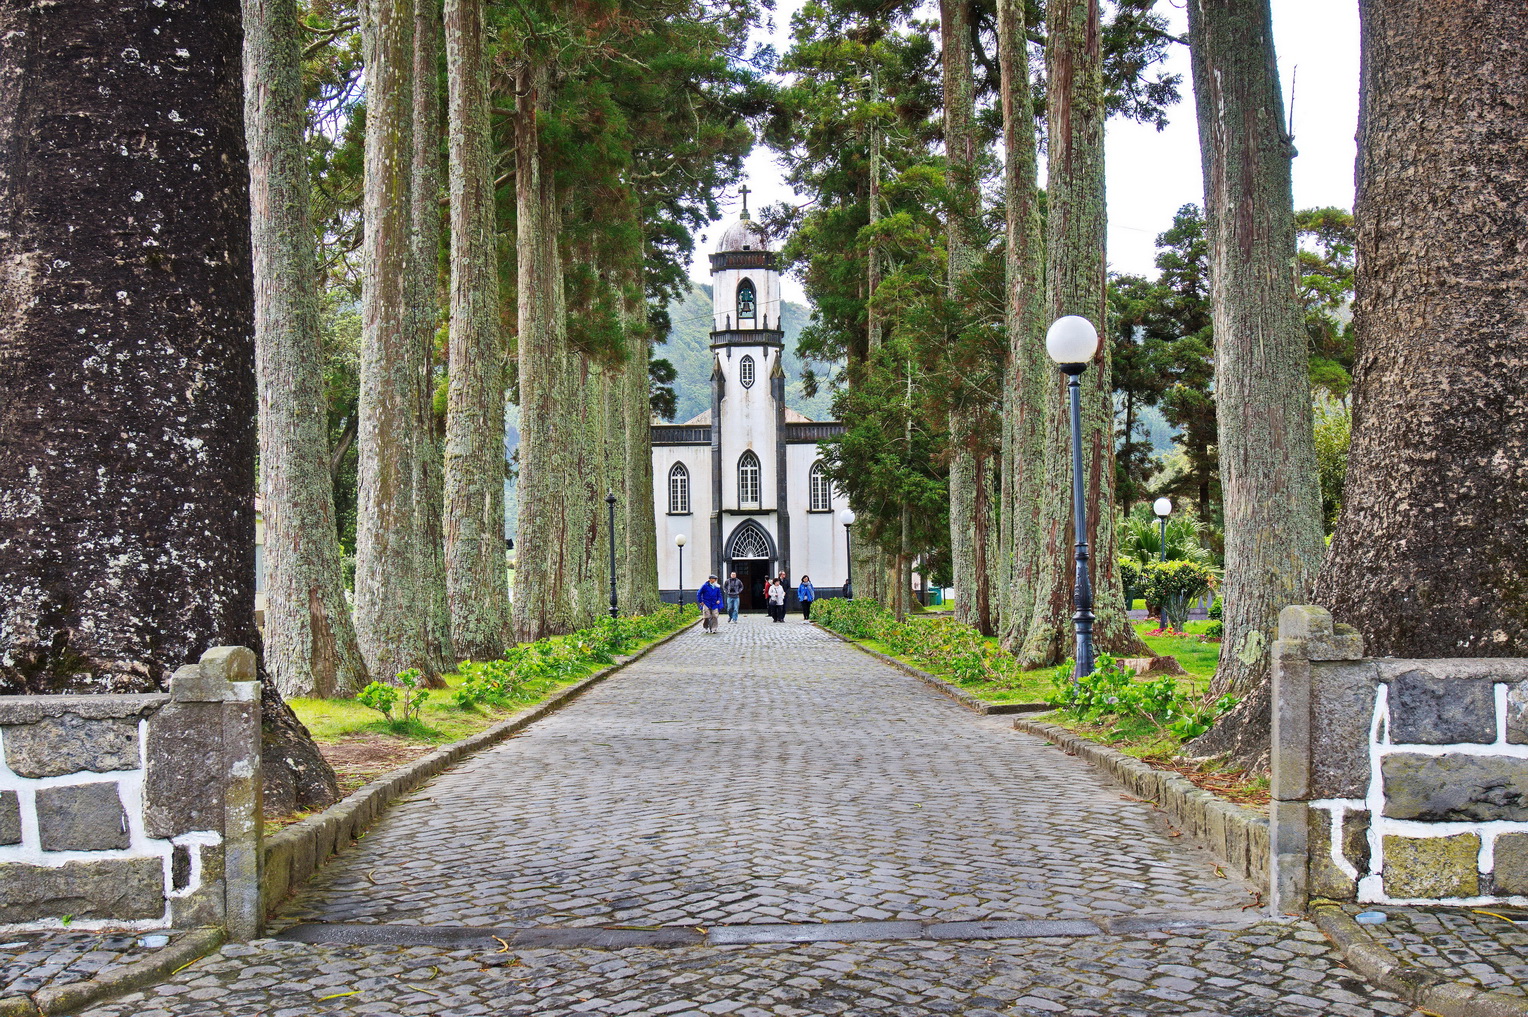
[[1236, 835], [955, 692], [1383, 968], [75, 996], [294, 853]]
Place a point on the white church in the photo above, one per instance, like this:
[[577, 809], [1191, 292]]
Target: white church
[[741, 482]]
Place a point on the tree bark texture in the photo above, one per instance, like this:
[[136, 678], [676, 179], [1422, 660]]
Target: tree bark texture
[[1075, 285], [127, 357], [972, 498], [562, 462], [422, 294], [637, 537], [1028, 372], [1430, 558], [474, 456], [310, 642], [1272, 498], [391, 596]]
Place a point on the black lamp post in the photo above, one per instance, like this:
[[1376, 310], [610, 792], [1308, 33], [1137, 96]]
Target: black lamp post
[[610, 500], [1071, 342], [1163, 508], [679, 541], [847, 517]]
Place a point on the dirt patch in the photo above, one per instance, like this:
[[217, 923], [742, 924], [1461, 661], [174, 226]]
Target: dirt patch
[[1240, 787], [358, 760]]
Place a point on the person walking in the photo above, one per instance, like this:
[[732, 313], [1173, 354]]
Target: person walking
[[806, 593], [709, 597], [777, 600], [733, 588]]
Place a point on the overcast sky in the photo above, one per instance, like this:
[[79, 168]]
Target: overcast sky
[[1151, 174]]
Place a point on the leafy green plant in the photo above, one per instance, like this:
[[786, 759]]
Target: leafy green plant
[[1114, 691], [1130, 577], [1173, 584], [407, 697]]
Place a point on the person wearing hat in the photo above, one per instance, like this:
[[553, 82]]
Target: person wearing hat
[[709, 597]]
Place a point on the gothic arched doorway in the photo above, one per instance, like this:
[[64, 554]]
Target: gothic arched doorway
[[750, 552]]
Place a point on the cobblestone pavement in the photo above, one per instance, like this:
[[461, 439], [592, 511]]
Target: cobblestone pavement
[[1485, 947], [35, 960], [772, 774], [768, 774]]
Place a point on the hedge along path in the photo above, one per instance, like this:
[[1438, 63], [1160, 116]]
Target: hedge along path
[[296, 852]]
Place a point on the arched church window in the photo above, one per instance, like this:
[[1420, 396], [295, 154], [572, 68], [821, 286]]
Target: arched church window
[[679, 490], [750, 542], [745, 372], [820, 491], [747, 301], [748, 479]]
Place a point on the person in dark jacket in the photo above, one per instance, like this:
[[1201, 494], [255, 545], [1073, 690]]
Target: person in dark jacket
[[733, 588], [806, 593], [709, 597]]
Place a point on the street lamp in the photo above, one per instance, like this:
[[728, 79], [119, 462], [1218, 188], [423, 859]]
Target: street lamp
[[847, 517], [679, 542], [1163, 508], [1071, 342], [610, 500]]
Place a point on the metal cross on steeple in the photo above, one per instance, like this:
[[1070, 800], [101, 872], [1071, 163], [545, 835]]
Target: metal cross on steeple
[[745, 201]]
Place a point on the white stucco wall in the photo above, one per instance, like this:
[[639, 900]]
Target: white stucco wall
[[766, 285], [696, 526], [748, 423], [817, 539]]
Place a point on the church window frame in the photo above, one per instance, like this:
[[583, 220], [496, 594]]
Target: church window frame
[[746, 372], [749, 543], [819, 489], [679, 490], [747, 302], [749, 480]]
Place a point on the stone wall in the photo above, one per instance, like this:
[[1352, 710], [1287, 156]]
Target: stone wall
[[1395, 781], [134, 811]]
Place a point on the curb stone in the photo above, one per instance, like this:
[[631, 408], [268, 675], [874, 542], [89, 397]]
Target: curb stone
[[955, 692], [1429, 992], [74, 996], [294, 853], [1236, 835]]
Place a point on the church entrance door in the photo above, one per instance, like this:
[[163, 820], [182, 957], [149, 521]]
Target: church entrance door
[[753, 572]]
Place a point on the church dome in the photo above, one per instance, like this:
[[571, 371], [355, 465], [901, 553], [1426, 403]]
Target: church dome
[[743, 235]]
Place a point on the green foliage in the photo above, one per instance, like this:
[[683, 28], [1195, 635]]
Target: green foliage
[[1172, 584], [527, 670], [408, 697], [1334, 435], [1216, 608], [1140, 538], [1326, 262], [1130, 576], [1114, 691], [940, 643]]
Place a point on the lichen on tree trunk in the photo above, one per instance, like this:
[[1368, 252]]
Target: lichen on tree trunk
[[127, 358], [1273, 521], [474, 452], [1027, 372], [1430, 557], [1075, 285], [310, 642], [392, 602]]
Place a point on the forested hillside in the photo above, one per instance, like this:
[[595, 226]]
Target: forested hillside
[[689, 350]]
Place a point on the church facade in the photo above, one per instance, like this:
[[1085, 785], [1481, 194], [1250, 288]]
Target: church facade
[[742, 482]]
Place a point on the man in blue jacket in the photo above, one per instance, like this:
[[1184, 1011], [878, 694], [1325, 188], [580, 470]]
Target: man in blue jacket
[[709, 597]]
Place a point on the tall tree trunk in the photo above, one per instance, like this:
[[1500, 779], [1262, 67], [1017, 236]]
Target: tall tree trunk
[[970, 472], [553, 544], [1430, 558], [391, 596], [127, 359], [474, 461], [1272, 499], [1027, 372], [422, 296], [638, 536], [1075, 285], [310, 642]]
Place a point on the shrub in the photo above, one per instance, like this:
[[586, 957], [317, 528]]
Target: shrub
[[1216, 609], [1130, 578], [941, 643], [1173, 584], [1114, 691], [407, 697]]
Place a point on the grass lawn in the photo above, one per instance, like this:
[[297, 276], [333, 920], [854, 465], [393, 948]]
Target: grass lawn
[[1029, 687], [1198, 658]]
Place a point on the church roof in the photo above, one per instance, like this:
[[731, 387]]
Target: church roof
[[743, 235]]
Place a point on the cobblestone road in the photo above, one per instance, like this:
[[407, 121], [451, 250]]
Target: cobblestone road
[[772, 774]]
